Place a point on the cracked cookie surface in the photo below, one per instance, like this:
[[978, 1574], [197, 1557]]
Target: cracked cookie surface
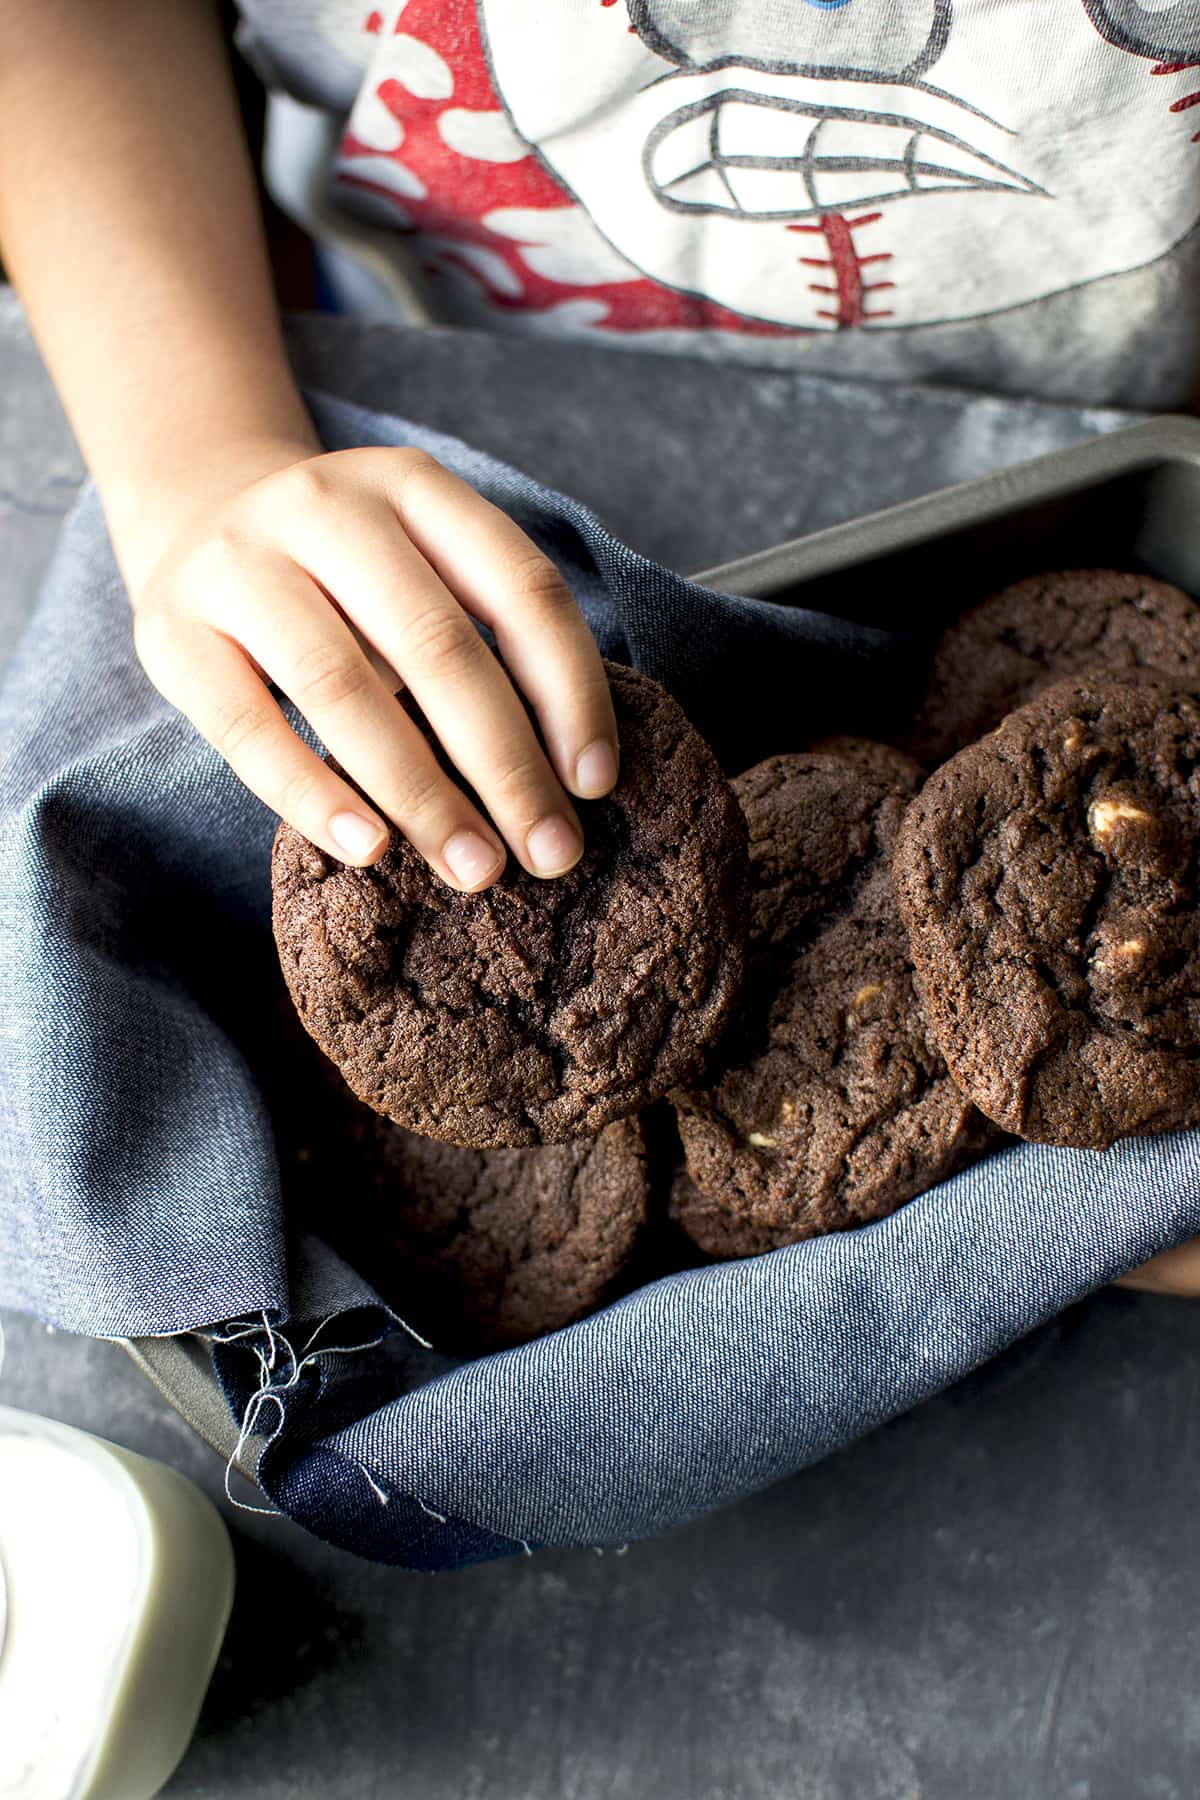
[[1001, 653], [481, 1249], [1048, 876], [833, 1104], [536, 1011]]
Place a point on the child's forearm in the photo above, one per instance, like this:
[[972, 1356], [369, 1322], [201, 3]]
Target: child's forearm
[[256, 561], [129, 224]]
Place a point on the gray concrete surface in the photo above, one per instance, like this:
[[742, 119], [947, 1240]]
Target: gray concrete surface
[[994, 1598]]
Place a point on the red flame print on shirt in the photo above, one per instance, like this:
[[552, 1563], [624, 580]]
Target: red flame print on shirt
[[460, 190], [1189, 100]]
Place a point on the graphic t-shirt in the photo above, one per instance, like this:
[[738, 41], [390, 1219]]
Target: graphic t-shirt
[[1001, 193]]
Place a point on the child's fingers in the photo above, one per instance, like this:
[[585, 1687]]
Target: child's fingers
[[209, 678], [505, 581], [480, 558], [396, 600], [327, 576], [309, 651]]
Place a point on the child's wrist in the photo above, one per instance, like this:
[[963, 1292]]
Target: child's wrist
[[145, 517]]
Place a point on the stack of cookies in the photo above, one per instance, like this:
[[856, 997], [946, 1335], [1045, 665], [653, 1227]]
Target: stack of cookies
[[497, 1049], [847, 974]]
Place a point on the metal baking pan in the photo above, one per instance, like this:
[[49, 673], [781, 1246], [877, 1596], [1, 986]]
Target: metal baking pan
[[1129, 500]]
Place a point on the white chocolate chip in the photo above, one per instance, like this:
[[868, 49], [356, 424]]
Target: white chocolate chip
[[761, 1141], [787, 1107], [866, 993], [1106, 813], [1129, 950]]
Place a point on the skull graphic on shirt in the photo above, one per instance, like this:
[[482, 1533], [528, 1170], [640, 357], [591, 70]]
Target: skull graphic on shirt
[[881, 163]]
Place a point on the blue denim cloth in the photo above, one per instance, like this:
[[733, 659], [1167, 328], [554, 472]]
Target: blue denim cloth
[[140, 1186]]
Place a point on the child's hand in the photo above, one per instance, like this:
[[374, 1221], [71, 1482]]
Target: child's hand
[[324, 576], [1175, 1271]]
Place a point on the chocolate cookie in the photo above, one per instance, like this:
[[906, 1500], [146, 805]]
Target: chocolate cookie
[[1047, 876], [536, 1011], [479, 1249], [879, 760], [495, 1247], [810, 821], [833, 1104], [722, 1231], [1004, 651]]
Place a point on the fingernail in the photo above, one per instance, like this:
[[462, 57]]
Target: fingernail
[[355, 835], [596, 768], [553, 845], [470, 858]]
